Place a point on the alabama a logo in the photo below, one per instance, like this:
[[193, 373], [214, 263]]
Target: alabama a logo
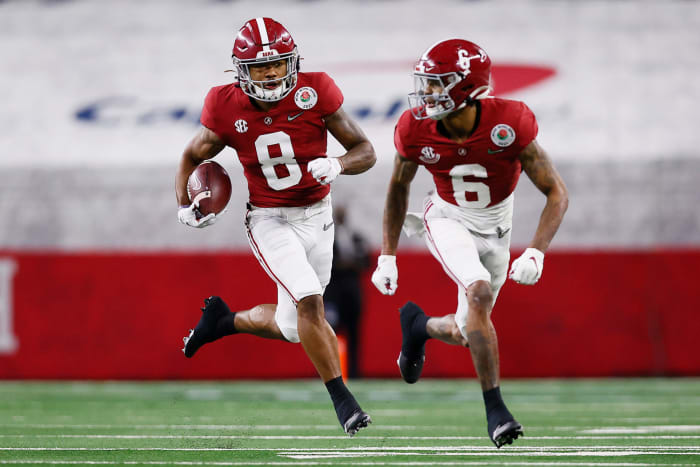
[[502, 135], [428, 155], [241, 126], [305, 98]]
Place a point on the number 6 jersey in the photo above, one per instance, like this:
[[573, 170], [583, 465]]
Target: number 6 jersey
[[275, 146], [481, 173]]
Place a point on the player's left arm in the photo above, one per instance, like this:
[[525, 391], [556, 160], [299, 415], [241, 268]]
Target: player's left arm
[[360, 155], [540, 169]]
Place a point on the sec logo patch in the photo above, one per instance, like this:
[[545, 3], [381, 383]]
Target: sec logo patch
[[428, 155], [241, 126], [305, 98], [502, 135]]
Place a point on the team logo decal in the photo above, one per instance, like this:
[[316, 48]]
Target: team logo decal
[[429, 156], [502, 135], [305, 97], [465, 59], [241, 126]]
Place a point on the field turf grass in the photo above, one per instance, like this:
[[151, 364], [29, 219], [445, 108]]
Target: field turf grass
[[589, 422]]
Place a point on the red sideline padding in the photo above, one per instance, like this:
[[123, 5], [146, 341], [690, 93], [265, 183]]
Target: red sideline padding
[[123, 316]]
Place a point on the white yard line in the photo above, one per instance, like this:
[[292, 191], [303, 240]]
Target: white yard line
[[345, 462], [345, 455], [643, 429], [406, 449], [313, 437]]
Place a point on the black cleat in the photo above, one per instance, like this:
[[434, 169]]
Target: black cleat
[[506, 433], [205, 331], [412, 355], [357, 420], [410, 369]]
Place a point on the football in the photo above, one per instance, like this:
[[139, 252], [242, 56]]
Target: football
[[209, 186]]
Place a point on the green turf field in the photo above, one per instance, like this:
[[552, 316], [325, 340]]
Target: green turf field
[[621, 422]]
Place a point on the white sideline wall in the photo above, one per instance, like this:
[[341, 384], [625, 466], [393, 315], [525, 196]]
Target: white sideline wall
[[98, 99]]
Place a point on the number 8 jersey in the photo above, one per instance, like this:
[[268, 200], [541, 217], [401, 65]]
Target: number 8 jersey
[[276, 146]]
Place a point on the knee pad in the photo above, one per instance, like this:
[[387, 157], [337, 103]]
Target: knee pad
[[286, 317], [291, 334]]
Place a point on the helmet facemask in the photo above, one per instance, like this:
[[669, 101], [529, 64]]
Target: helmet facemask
[[432, 98], [257, 89]]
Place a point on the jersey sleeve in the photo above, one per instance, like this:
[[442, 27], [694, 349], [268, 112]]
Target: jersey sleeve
[[331, 98], [401, 134], [208, 117], [527, 126]]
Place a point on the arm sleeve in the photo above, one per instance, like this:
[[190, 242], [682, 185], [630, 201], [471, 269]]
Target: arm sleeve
[[208, 118], [527, 127], [330, 96], [401, 133]]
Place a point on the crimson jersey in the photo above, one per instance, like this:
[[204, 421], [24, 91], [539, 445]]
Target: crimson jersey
[[483, 170], [275, 146]]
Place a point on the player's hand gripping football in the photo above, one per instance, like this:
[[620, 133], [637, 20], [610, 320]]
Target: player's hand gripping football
[[188, 216], [527, 269], [325, 169], [386, 276]]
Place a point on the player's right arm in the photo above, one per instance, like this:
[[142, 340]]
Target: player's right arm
[[396, 203], [204, 145], [385, 277]]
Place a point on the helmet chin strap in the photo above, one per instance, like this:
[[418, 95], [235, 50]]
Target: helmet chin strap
[[480, 93], [269, 94], [441, 115]]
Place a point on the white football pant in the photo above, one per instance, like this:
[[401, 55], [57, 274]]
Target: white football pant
[[465, 255], [295, 247]]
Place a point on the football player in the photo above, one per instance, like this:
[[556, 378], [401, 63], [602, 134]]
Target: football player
[[276, 118], [475, 147]]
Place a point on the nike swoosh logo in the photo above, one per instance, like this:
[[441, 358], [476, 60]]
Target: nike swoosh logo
[[501, 233], [494, 151], [327, 226], [292, 117]]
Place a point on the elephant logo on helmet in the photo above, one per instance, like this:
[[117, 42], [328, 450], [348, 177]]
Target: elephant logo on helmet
[[464, 59]]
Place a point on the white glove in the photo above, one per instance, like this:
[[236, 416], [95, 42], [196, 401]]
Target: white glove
[[325, 169], [188, 216], [386, 276], [527, 269]]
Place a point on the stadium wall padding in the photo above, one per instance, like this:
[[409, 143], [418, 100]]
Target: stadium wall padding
[[123, 316]]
